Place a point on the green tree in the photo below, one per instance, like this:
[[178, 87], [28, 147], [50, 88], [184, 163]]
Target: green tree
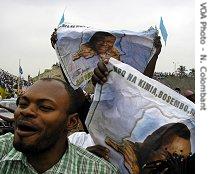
[[182, 71], [192, 72]]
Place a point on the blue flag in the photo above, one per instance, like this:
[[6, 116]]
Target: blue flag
[[20, 70], [163, 30], [62, 20]]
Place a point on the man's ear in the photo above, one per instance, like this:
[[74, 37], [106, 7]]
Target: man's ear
[[73, 121]]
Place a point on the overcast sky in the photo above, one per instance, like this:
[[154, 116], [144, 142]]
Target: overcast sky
[[26, 27]]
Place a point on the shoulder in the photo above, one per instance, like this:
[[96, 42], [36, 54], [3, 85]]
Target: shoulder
[[6, 144], [97, 164], [8, 138]]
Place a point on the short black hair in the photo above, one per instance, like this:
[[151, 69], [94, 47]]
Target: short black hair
[[79, 103], [177, 89], [76, 97]]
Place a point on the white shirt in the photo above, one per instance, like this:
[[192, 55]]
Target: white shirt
[[81, 139]]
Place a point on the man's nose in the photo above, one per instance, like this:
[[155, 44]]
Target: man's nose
[[29, 111], [104, 43]]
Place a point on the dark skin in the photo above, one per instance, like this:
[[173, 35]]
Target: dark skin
[[53, 38], [101, 72], [191, 98], [149, 70], [127, 149], [45, 111], [99, 151]]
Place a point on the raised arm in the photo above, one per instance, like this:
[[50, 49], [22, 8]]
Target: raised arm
[[149, 70]]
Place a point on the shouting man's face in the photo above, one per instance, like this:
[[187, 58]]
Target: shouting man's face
[[41, 117]]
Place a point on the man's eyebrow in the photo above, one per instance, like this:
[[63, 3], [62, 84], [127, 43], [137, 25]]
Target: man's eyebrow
[[23, 98], [41, 100], [46, 100]]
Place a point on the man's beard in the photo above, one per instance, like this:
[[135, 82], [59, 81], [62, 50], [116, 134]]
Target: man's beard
[[44, 143]]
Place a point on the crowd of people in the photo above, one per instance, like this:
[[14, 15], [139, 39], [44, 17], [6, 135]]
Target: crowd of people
[[9, 84], [50, 136]]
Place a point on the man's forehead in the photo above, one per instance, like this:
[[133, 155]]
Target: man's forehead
[[47, 84], [47, 88]]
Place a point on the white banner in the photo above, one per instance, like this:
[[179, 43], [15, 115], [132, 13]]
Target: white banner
[[135, 117], [79, 49]]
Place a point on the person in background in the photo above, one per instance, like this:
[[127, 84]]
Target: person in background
[[178, 90], [190, 95]]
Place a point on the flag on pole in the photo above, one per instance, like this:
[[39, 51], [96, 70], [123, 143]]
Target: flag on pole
[[163, 30], [20, 70], [62, 19]]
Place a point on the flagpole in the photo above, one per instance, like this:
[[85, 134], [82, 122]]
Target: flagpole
[[39, 74], [18, 77], [19, 81]]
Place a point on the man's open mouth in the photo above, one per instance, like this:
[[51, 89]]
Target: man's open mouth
[[26, 129]]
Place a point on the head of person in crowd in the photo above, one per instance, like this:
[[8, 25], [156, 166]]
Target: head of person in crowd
[[45, 114], [178, 90], [172, 138], [190, 95]]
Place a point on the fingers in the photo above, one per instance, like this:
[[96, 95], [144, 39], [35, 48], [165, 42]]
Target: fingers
[[157, 39], [95, 80], [129, 149], [157, 45], [100, 74], [102, 67], [106, 61], [100, 151], [53, 38], [112, 144], [157, 42]]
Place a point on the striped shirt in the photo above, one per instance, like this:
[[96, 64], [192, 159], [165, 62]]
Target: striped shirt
[[74, 161]]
